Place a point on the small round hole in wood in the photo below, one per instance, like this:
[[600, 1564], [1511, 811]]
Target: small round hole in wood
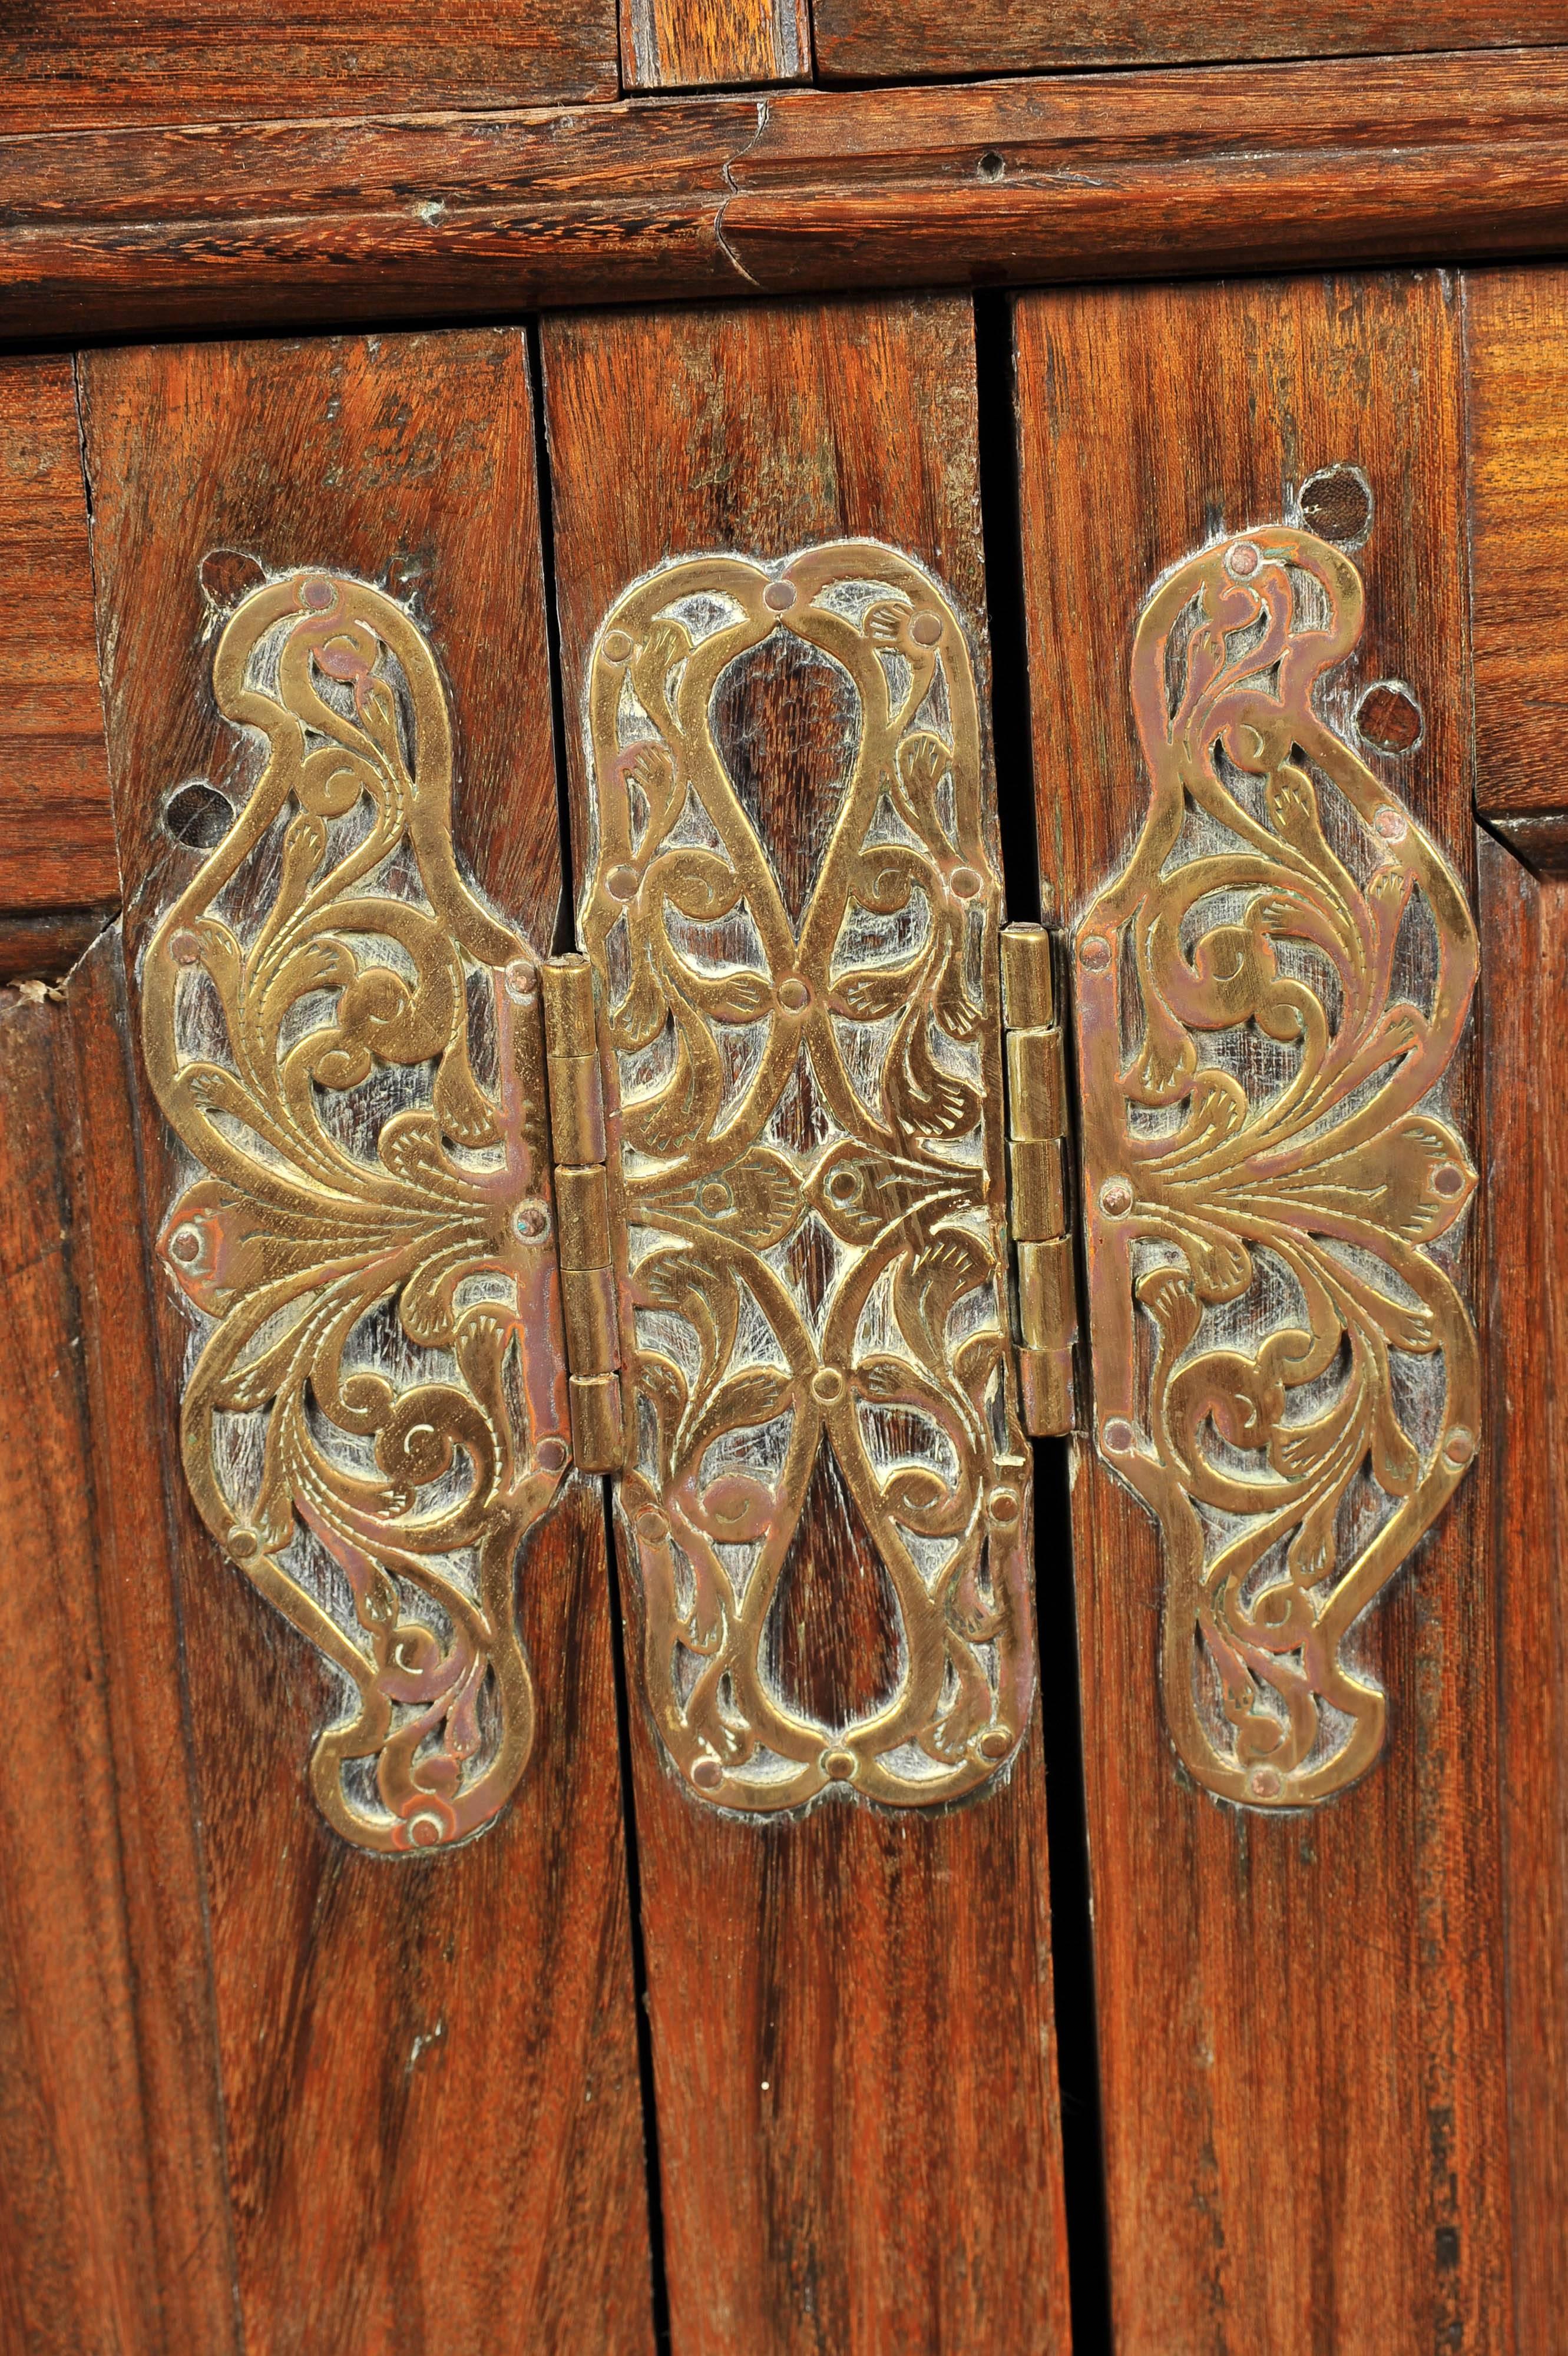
[[1337, 504]]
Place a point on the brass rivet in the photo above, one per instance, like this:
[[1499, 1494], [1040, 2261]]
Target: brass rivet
[[1003, 1507], [996, 1742], [707, 1774], [827, 1386], [1459, 1446], [616, 647], [623, 883], [652, 1526], [185, 1244], [532, 1221], [794, 994], [317, 595], [425, 1830], [964, 882], [715, 1198], [926, 629], [840, 1765], [1094, 952], [243, 1543], [1391, 823], [1448, 1180], [1265, 1783], [185, 947], [1116, 1198], [1117, 1434], [1244, 560], [778, 596], [521, 977], [553, 1455]]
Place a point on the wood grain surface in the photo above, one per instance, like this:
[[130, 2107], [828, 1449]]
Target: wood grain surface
[[114, 2209], [850, 2012], [429, 2068], [1301, 2017], [914, 40], [714, 44], [204, 60], [57, 834], [1082, 176], [1516, 333], [1524, 937]]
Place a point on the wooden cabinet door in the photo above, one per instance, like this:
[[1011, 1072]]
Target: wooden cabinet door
[[1112, 2034]]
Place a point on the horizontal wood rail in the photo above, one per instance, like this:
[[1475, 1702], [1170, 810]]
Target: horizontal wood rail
[[1235, 167]]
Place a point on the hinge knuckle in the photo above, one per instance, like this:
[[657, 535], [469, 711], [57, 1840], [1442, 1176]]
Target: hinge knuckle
[[582, 1213], [1046, 1291]]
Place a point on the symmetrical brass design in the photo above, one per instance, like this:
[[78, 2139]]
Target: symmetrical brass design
[[1269, 994], [808, 1178], [352, 1048]]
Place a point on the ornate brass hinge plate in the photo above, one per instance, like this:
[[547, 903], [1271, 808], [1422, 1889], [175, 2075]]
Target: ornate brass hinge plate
[[351, 1046], [808, 1181], [1269, 996]]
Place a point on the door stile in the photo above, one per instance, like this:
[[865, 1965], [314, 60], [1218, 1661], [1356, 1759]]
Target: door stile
[[1299, 2011], [395, 2034], [850, 2006]]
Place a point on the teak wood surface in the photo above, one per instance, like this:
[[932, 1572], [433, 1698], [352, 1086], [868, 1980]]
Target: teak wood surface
[[929, 40], [1301, 2017], [850, 2012], [86, 67], [330, 221], [431, 2109], [724, 44], [56, 833]]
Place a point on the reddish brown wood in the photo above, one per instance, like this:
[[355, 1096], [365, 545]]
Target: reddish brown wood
[[1015, 182], [113, 2216], [56, 835], [202, 60], [1301, 2017], [429, 2073], [915, 40], [852, 2012], [1517, 349], [1524, 932], [714, 44]]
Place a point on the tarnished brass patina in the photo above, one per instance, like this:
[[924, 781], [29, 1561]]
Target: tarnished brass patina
[[808, 1178], [1269, 997], [351, 1046]]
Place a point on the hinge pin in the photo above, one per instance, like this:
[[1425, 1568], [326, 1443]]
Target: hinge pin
[[582, 1213]]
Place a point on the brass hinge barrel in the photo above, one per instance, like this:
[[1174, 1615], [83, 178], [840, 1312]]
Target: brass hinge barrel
[[582, 1213], [1045, 1288]]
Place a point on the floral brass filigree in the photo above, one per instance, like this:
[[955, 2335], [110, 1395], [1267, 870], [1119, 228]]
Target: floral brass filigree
[[808, 1178], [1269, 995], [351, 1046]]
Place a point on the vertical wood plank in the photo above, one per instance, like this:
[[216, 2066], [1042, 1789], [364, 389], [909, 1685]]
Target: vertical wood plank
[[56, 835], [113, 2211], [1516, 329], [851, 2011], [1516, 336], [709, 44], [429, 2067], [1524, 936], [1301, 2017]]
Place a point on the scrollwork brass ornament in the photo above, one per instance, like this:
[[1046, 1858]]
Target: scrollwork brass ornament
[[1269, 997], [808, 1178], [350, 1045]]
